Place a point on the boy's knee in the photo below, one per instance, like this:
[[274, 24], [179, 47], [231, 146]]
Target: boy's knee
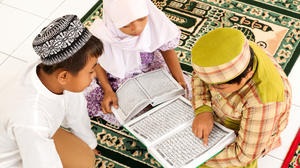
[[84, 160], [73, 152], [90, 159]]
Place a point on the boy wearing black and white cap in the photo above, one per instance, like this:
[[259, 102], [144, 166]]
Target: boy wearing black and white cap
[[46, 97]]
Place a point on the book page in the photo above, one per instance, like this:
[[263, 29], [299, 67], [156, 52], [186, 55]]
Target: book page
[[184, 147], [129, 96], [161, 120], [157, 83]]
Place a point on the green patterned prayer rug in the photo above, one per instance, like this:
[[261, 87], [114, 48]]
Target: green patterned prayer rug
[[272, 24]]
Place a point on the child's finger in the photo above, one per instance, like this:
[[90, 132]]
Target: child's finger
[[199, 132], [115, 103], [104, 107], [182, 84], [107, 107], [205, 137]]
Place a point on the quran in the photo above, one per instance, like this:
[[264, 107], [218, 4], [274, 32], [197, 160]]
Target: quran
[[166, 131], [151, 88]]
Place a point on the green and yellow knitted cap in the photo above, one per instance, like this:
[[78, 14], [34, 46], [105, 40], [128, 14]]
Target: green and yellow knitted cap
[[220, 55]]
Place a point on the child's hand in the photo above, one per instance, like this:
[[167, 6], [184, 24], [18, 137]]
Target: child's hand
[[96, 152], [202, 125], [109, 97], [183, 84]]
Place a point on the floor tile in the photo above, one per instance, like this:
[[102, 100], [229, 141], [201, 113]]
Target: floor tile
[[295, 83], [79, 8], [9, 70], [18, 26], [3, 57], [288, 135], [269, 162], [25, 51], [41, 8]]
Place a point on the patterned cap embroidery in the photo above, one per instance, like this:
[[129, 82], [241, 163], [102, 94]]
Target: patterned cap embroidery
[[62, 38]]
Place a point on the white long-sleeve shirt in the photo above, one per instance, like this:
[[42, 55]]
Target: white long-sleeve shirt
[[30, 114]]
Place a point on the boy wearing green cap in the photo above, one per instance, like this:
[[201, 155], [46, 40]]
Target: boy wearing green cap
[[240, 86]]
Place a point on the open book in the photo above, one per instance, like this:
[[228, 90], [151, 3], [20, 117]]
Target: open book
[[153, 88], [166, 131]]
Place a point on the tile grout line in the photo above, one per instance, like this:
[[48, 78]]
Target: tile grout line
[[18, 59], [296, 105], [275, 157], [55, 9], [11, 55], [4, 60], [22, 10], [13, 58]]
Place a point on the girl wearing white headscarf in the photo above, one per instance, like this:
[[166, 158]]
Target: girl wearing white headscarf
[[137, 38]]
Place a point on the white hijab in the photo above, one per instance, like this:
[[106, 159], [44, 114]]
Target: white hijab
[[121, 51]]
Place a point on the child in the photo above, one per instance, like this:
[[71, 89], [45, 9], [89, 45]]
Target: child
[[137, 38], [43, 98], [240, 86]]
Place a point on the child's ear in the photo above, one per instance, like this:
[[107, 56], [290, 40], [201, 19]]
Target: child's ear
[[249, 74], [63, 77]]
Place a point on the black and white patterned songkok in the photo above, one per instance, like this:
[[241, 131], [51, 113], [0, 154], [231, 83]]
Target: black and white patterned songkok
[[62, 38]]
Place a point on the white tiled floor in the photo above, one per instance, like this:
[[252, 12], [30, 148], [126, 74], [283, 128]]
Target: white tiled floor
[[21, 20]]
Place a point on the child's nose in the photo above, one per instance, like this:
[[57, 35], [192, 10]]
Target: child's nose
[[137, 27]]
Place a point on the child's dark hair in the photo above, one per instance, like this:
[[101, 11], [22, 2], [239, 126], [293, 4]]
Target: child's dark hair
[[92, 48], [238, 79]]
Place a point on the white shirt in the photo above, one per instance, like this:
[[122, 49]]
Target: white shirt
[[30, 115]]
